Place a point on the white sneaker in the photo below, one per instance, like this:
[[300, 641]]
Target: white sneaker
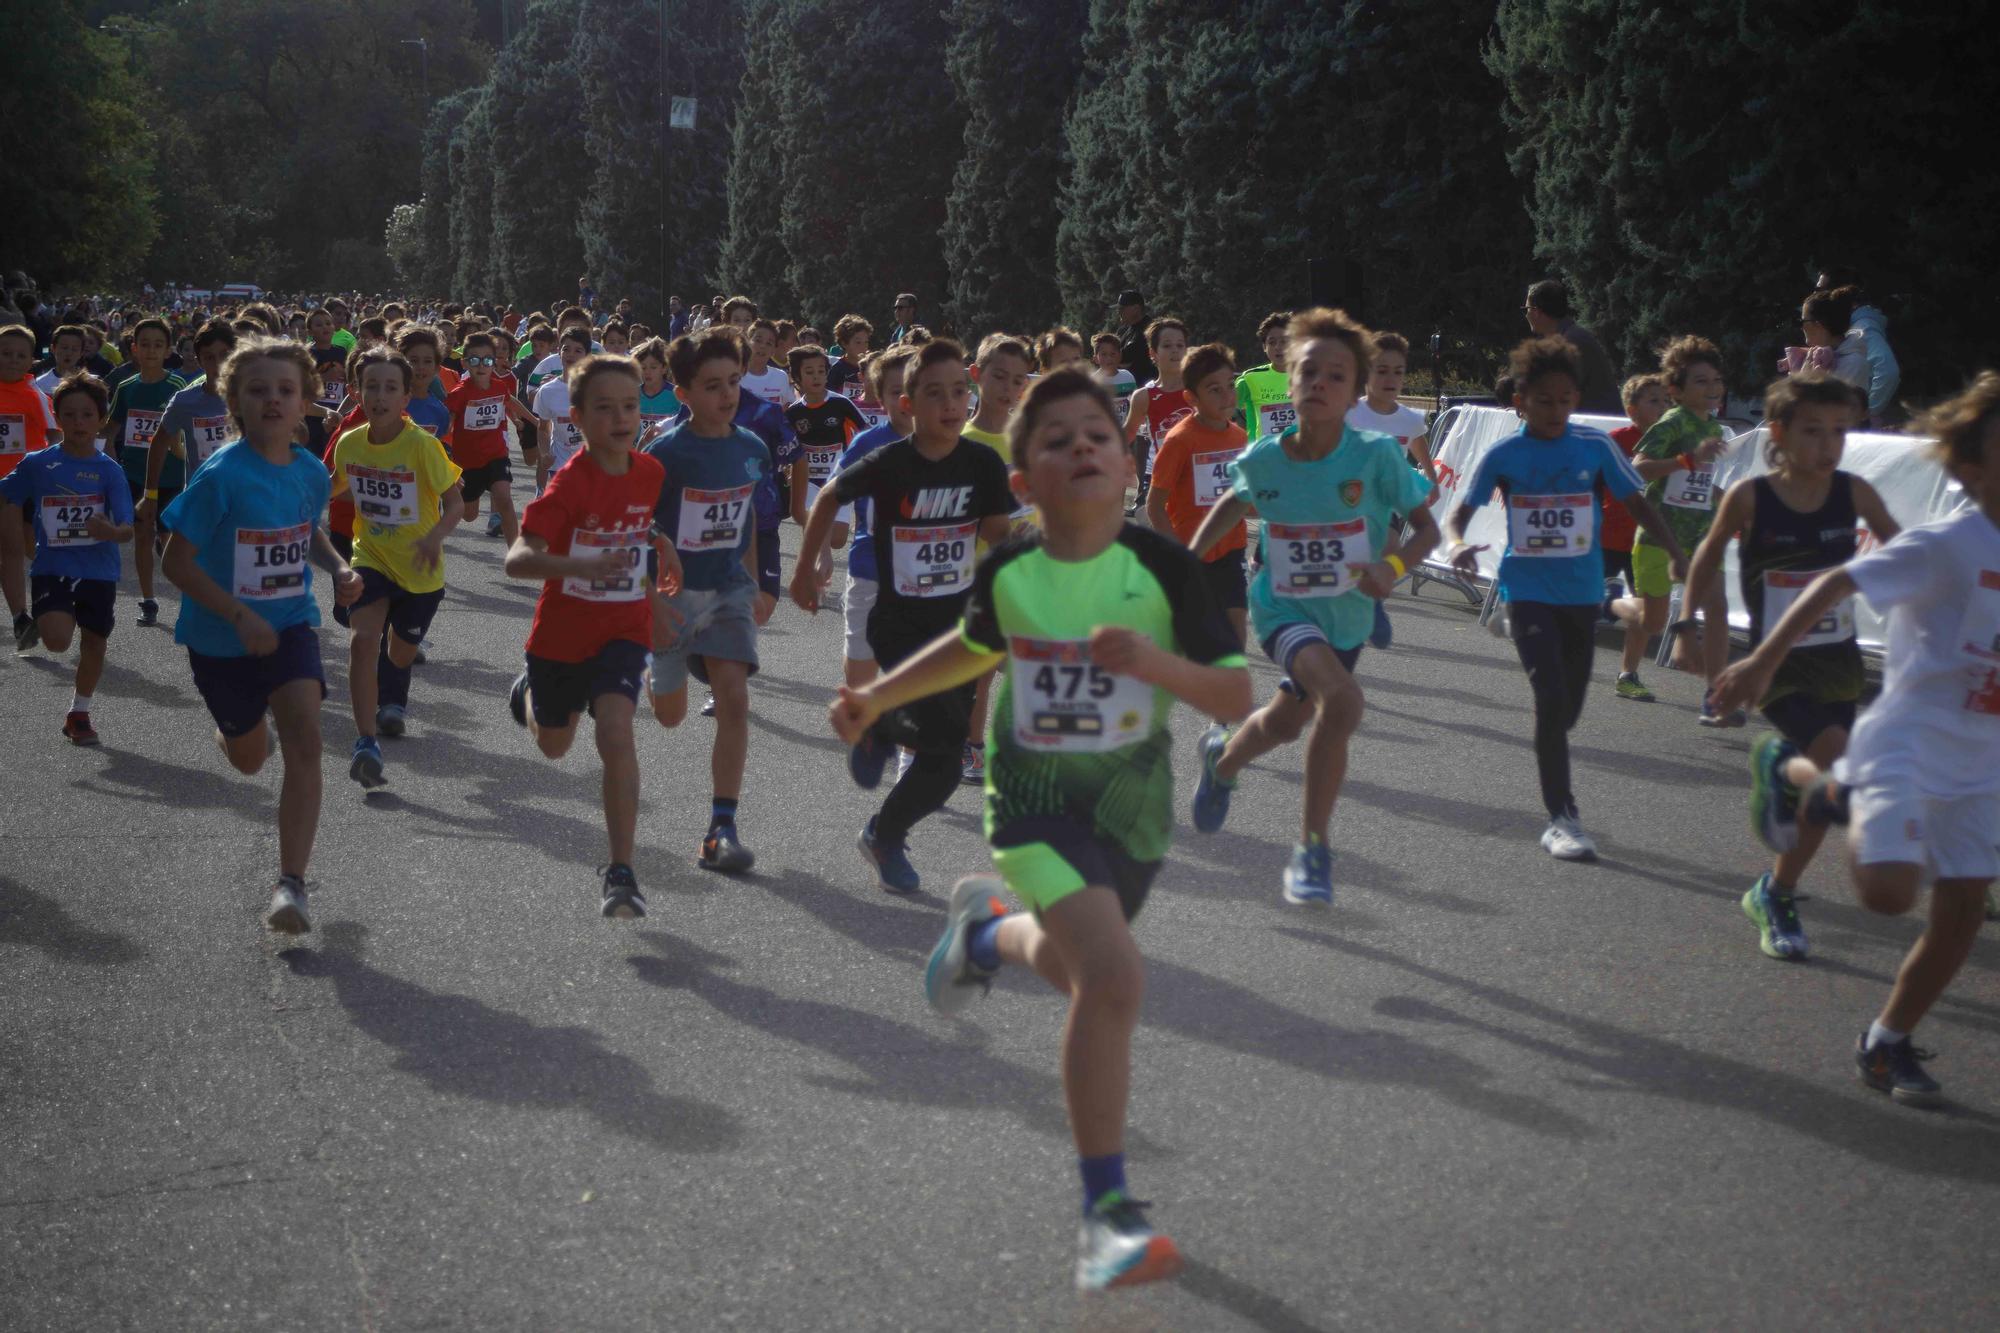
[[1117, 1247], [904, 758], [1565, 840], [1499, 624]]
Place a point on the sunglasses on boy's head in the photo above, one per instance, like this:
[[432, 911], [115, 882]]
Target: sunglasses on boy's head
[[482, 361]]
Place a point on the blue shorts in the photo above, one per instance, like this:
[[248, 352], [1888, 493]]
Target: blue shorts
[[1285, 643], [238, 690], [409, 612], [558, 691], [86, 601]]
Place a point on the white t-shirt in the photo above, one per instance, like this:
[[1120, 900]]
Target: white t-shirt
[[1405, 423], [1937, 723], [1121, 384], [771, 384], [552, 406], [47, 380], [552, 364]]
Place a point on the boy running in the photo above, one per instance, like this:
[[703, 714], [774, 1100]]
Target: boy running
[[197, 421], [560, 440], [1002, 370], [25, 423], [1645, 399], [481, 405], [885, 379], [825, 424], [1382, 410], [1097, 627], [137, 406], [1158, 403], [1191, 474], [1264, 393], [1108, 370]]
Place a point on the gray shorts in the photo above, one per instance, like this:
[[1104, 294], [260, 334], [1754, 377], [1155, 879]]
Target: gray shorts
[[714, 623]]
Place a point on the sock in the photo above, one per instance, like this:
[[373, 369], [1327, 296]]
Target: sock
[[1881, 1036], [296, 881], [982, 945], [79, 703], [721, 811], [1101, 1175]]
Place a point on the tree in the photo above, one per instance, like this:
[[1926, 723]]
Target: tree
[[752, 257], [403, 242], [1101, 122], [470, 162], [434, 182], [539, 165], [999, 235]]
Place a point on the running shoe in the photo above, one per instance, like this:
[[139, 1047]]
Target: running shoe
[[893, 871], [76, 729], [517, 699], [708, 705], [389, 719], [1384, 634], [1605, 615], [1777, 916], [866, 760], [1710, 718], [493, 525], [149, 612], [1500, 624], [1629, 686], [1309, 877], [287, 912], [1117, 1247], [1897, 1069], [972, 769], [622, 899], [1774, 802], [951, 977], [1211, 793], [723, 851], [366, 765], [26, 634], [423, 653], [1565, 840]]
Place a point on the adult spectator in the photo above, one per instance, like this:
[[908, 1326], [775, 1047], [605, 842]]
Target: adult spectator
[[1548, 313], [677, 317], [906, 317], [586, 295], [1133, 353], [623, 310], [1884, 374]]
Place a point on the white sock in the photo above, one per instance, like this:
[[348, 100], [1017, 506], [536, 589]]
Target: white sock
[[79, 703], [1881, 1036]]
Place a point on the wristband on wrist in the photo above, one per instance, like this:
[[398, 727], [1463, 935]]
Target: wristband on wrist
[[152, 494], [1395, 562], [1687, 462]]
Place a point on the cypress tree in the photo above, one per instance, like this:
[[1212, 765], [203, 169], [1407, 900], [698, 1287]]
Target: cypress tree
[[616, 50], [1099, 130], [434, 182], [538, 161], [469, 159], [752, 260]]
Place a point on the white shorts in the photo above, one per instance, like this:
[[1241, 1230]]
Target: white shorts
[[1952, 836], [854, 608]]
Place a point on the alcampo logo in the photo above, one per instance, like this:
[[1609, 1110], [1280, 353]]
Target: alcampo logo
[[938, 502]]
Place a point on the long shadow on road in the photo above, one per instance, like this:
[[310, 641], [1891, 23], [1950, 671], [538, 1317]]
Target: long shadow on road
[[40, 922]]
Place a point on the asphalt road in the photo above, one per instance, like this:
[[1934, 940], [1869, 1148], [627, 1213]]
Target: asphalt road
[[1485, 1090]]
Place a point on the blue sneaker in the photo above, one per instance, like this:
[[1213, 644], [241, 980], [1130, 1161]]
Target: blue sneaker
[[1211, 793], [893, 871], [493, 525], [951, 978], [722, 850], [366, 766], [1774, 802], [1777, 916], [866, 761], [389, 719], [1309, 877], [1383, 635]]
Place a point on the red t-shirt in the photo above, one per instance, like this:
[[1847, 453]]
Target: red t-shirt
[[1619, 526], [583, 505], [340, 509], [478, 432], [1194, 456], [24, 422]]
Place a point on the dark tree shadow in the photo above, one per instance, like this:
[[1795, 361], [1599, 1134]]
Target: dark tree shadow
[[40, 922], [1258, 1308]]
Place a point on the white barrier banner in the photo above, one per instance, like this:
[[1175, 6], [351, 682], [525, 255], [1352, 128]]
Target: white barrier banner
[[1912, 484]]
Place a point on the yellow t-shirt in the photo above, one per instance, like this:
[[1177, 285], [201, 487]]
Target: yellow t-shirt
[[396, 488], [1023, 517]]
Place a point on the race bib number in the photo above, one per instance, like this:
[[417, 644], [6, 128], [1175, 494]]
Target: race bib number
[[1211, 478], [207, 434], [1549, 525], [1063, 702], [1783, 586], [713, 520], [271, 562], [140, 428], [1315, 559], [1691, 489], [649, 422], [564, 441], [1979, 645], [820, 464], [483, 414], [385, 497], [628, 586], [66, 519], [1275, 417], [331, 393], [13, 435], [933, 562]]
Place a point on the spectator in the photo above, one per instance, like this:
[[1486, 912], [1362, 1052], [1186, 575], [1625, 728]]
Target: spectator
[[1884, 374], [906, 317], [1832, 344], [1133, 353], [586, 295], [677, 318], [1548, 313]]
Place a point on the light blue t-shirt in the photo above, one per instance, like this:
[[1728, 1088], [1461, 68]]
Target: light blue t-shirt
[[431, 414], [251, 525], [1550, 489], [861, 545], [708, 501], [1320, 522], [76, 488], [202, 420]]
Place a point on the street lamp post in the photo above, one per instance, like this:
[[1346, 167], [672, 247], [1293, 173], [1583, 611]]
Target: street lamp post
[[423, 46]]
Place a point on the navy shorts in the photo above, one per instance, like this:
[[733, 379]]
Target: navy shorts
[[1284, 644], [86, 601], [558, 691], [1226, 581], [476, 481], [238, 690], [409, 612], [767, 562], [1800, 718]]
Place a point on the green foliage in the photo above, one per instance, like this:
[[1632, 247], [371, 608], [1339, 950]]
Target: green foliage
[[469, 161], [752, 255], [1102, 124], [403, 242], [533, 152], [433, 274], [624, 132]]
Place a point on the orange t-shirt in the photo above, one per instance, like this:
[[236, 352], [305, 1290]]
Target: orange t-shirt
[[25, 422], [1192, 470]]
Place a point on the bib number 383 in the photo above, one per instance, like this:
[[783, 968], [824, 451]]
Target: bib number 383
[[933, 562], [271, 562], [1539, 526], [1064, 702], [1315, 559]]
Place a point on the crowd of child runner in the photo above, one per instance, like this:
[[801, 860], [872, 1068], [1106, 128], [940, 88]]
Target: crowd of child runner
[[1004, 619]]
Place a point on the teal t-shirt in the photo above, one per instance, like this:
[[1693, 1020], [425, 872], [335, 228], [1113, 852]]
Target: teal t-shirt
[[137, 409], [1320, 522]]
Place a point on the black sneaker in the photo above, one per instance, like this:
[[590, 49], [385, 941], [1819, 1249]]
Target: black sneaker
[[622, 899], [149, 612], [1897, 1069], [27, 634], [517, 700]]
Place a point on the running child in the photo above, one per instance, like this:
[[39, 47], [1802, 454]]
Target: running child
[[762, 376], [1919, 786], [847, 375], [1264, 393], [26, 419], [78, 501], [885, 380], [584, 538], [1325, 493], [481, 405], [708, 627], [1159, 403], [66, 357], [1107, 368], [1552, 574], [931, 499], [406, 501], [1645, 400], [241, 538], [1097, 626], [1382, 410], [825, 424], [424, 351], [561, 439], [197, 421], [1001, 371], [137, 405], [658, 404], [1058, 349]]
